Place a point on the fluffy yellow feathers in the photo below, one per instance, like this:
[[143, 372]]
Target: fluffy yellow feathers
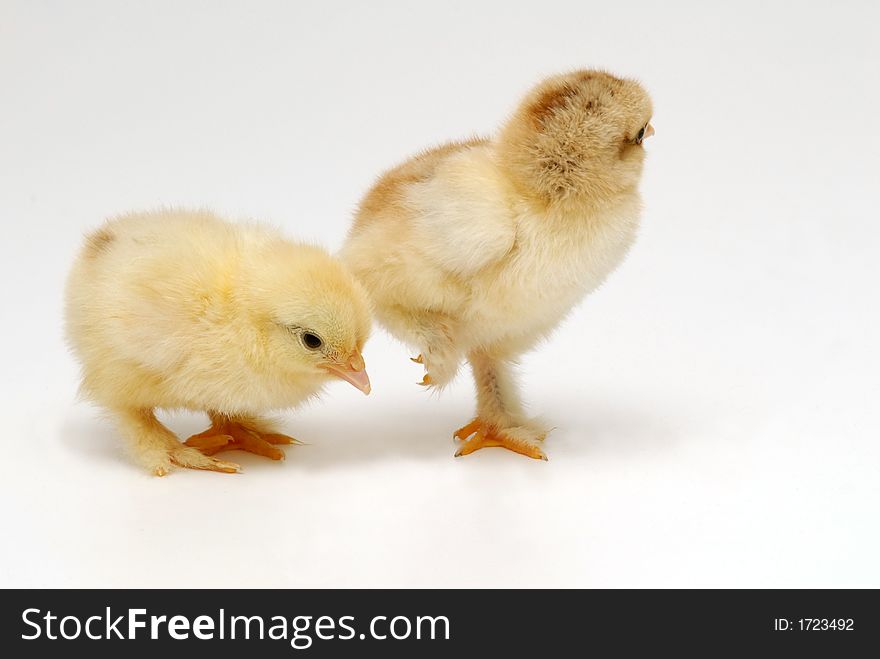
[[183, 310], [474, 250], [470, 251]]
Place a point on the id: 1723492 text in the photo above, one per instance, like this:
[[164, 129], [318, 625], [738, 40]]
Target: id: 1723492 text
[[814, 624]]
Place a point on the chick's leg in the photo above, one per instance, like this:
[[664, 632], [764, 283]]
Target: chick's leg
[[158, 449], [500, 421], [239, 432], [433, 333]]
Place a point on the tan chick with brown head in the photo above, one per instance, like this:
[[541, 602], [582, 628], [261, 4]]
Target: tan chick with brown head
[[182, 310], [477, 249]]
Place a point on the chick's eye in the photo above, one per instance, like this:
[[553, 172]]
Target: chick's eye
[[640, 136], [311, 341]]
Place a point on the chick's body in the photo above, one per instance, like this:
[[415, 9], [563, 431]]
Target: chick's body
[[478, 249], [184, 310]]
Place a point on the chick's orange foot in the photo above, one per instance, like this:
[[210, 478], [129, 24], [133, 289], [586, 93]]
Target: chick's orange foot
[[190, 458], [477, 435], [231, 435]]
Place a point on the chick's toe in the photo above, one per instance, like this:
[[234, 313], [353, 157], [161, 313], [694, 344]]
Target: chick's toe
[[193, 459], [227, 435], [477, 435], [466, 431]]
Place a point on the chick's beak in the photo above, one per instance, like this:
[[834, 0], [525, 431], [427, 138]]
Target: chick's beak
[[354, 372], [649, 130]]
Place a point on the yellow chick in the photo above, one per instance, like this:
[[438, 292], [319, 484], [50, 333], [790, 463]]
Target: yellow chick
[[477, 249], [182, 310]]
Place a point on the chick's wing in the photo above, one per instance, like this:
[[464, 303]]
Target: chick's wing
[[461, 216]]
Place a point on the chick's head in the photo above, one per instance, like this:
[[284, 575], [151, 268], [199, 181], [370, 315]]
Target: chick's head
[[578, 136], [313, 317]]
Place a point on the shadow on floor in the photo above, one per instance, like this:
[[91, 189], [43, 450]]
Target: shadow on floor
[[582, 428]]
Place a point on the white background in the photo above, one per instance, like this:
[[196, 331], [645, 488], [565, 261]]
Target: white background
[[715, 403]]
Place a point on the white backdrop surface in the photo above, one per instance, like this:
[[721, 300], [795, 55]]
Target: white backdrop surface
[[715, 403]]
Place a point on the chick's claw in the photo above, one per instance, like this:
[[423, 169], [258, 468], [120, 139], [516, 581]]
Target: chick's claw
[[477, 435], [278, 438], [230, 435]]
